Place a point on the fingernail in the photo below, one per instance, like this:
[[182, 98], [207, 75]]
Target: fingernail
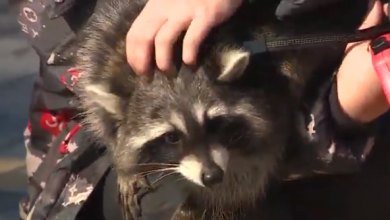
[[189, 60], [186, 57]]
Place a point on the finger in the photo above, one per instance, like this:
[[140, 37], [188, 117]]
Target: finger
[[374, 16], [140, 39], [196, 33], [386, 9], [166, 37]]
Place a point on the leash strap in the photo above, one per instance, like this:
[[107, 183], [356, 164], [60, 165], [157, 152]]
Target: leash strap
[[273, 44]]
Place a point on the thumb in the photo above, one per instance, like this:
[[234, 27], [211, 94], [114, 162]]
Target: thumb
[[374, 16], [386, 9]]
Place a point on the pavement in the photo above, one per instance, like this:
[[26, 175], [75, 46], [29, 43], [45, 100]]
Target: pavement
[[18, 68]]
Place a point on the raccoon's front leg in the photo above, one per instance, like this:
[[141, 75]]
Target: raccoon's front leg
[[299, 67], [128, 198], [164, 202]]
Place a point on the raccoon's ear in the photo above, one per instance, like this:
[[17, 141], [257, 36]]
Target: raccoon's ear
[[100, 96], [234, 63]]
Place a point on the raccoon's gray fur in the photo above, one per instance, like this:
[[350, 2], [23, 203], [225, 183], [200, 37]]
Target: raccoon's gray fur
[[228, 119]]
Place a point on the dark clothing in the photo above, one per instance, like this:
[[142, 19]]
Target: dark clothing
[[288, 8], [63, 168], [51, 27], [361, 196]]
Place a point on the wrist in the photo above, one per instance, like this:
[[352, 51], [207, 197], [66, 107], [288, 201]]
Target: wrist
[[360, 95], [343, 123]]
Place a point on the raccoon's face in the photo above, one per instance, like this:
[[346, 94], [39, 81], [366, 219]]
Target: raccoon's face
[[213, 134]]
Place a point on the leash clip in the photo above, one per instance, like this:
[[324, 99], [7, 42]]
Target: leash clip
[[380, 54]]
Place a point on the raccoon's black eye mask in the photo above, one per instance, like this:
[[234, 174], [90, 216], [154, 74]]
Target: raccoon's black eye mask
[[162, 149], [229, 130], [169, 138]]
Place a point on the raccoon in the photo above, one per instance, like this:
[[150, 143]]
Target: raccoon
[[221, 127]]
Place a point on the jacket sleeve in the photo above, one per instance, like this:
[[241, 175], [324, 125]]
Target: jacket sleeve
[[288, 8], [50, 27]]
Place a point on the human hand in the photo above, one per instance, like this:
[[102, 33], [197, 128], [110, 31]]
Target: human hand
[[359, 91], [162, 21]]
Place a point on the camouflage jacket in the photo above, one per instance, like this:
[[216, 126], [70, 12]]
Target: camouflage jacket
[[63, 166]]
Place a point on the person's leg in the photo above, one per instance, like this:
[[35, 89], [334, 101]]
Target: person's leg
[[362, 196]]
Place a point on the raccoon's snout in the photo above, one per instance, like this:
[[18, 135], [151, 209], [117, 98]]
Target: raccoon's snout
[[206, 168], [211, 175]]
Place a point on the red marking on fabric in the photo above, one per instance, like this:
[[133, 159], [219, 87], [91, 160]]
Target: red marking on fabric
[[65, 142], [29, 126], [54, 123], [380, 52], [70, 78], [63, 79]]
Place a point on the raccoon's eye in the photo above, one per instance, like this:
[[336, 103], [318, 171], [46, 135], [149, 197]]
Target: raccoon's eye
[[230, 130], [234, 133], [172, 137]]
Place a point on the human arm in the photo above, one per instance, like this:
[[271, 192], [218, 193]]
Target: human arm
[[358, 89], [162, 21], [344, 119]]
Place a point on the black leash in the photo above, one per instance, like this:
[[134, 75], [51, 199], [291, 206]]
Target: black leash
[[274, 44]]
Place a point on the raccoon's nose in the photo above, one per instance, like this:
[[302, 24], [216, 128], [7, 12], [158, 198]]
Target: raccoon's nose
[[212, 175]]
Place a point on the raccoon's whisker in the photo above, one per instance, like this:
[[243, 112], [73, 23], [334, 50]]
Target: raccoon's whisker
[[162, 164], [151, 172], [236, 139], [166, 175], [180, 179], [162, 177], [156, 171]]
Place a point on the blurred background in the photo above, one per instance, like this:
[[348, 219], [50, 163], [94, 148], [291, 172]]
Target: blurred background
[[18, 68]]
